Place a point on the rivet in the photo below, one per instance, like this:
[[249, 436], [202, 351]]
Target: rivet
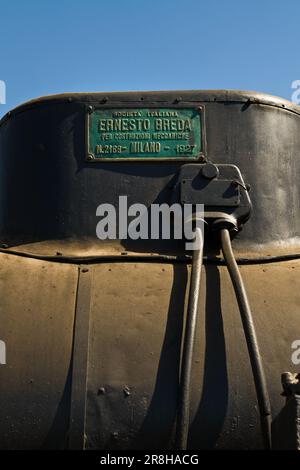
[[177, 100]]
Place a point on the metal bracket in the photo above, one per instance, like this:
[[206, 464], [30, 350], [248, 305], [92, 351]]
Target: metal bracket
[[220, 188], [80, 360], [286, 426]]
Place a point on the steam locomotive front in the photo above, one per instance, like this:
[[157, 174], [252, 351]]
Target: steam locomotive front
[[120, 340]]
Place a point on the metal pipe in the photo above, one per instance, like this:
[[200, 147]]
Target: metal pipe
[[251, 339], [183, 417]]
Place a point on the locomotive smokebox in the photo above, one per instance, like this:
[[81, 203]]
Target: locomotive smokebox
[[94, 329]]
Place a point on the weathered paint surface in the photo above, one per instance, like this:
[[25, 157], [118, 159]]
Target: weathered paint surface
[[36, 318], [136, 319]]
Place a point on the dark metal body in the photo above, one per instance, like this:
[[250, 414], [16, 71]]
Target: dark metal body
[[43, 147], [93, 353]]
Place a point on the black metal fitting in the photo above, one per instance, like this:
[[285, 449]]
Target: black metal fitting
[[226, 205]]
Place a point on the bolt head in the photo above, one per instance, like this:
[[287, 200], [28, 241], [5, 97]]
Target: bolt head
[[210, 171]]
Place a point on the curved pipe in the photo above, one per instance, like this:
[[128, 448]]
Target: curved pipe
[[183, 417], [250, 334]]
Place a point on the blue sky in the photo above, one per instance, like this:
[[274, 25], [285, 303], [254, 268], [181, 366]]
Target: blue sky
[[109, 45]]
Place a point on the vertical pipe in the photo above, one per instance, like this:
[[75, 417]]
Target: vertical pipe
[[251, 339], [183, 417]]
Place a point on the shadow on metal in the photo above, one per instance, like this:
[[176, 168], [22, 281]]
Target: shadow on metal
[[167, 379], [210, 416], [57, 437]]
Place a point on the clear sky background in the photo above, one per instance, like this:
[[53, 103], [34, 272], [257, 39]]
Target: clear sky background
[[109, 45]]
